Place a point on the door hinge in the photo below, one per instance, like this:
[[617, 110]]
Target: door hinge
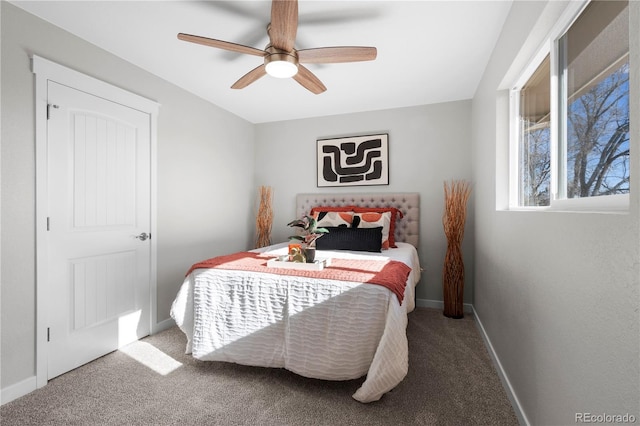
[[48, 222], [49, 109], [48, 334]]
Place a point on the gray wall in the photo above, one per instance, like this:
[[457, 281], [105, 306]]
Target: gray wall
[[557, 293], [199, 147], [427, 145]]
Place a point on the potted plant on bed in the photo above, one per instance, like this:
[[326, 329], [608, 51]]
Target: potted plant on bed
[[307, 234]]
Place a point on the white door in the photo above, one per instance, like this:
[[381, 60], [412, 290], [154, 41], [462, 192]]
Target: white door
[[99, 209]]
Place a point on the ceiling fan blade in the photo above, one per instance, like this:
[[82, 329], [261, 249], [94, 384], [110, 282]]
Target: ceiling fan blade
[[284, 24], [334, 55], [250, 77], [307, 79], [226, 45]]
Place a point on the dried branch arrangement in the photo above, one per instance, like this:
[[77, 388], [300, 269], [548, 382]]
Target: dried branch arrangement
[[264, 218], [456, 195]]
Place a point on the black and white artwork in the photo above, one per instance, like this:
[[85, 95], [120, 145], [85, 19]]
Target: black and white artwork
[[353, 161]]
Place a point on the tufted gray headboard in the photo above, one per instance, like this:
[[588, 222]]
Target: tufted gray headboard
[[407, 228]]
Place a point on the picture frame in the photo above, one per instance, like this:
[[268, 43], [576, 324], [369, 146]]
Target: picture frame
[[353, 161]]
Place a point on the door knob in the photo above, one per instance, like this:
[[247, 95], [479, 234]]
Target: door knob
[[143, 237]]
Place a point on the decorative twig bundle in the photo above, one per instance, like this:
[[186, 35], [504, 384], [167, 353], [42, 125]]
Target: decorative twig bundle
[[264, 218], [456, 195]]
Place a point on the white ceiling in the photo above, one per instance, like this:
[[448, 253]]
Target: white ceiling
[[428, 51]]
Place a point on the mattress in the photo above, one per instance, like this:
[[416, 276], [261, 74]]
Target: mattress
[[317, 328]]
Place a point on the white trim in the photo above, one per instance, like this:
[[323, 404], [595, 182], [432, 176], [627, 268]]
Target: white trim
[[41, 228], [532, 66], [617, 203], [163, 325], [506, 383], [604, 204], [556, 159], [66, 76], [44, 71], [153, 262], [514, 147], [17, 390]]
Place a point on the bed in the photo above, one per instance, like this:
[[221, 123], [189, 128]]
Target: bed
[[315, 325]]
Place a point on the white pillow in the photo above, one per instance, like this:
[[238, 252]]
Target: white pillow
[[325, 219], [374, 220]]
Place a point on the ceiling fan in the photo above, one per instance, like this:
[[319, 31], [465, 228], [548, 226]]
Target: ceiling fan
[[281, 59]]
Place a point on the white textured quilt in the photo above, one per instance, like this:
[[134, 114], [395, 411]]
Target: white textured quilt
[[317, 328]]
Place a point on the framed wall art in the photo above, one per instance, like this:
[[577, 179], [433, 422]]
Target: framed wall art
[[353, 161]]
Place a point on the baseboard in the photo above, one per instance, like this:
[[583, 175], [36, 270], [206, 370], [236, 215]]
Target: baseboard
[[17, 390], [506, 384], [439, 304], [163, 325]]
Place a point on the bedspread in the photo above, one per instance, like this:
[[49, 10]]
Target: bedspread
[[388, 273], [318, 328]]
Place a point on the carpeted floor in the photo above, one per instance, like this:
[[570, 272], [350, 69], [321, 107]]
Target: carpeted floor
[[451, 381]]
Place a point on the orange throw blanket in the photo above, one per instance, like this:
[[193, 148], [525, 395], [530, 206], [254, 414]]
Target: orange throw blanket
[[387, 273]]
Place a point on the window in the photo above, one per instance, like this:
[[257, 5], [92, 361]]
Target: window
[[572, 138], [534, 133]]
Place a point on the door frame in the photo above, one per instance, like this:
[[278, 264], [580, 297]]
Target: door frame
[[45, 71]]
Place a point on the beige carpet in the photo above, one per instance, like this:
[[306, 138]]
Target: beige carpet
[[451, 381]]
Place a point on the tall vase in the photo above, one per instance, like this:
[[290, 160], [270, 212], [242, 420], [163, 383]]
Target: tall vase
[[453, 282], [456, 195], [264, 217]]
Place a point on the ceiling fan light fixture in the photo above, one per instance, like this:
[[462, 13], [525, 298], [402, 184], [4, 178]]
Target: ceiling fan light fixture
[[280, 64], [281, 69]]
